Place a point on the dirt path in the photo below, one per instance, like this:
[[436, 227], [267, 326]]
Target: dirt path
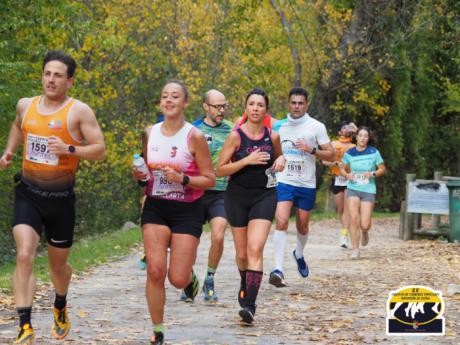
[[342, 302]]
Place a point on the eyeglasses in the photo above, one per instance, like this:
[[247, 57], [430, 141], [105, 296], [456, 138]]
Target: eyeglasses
[[218, 106]]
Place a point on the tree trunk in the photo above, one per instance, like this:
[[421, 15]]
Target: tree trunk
[[294, 51]]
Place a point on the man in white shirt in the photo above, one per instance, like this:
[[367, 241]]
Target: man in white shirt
[[303, 140]]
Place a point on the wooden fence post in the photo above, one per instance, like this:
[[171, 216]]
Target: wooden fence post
[[436, 219], [408, 231]]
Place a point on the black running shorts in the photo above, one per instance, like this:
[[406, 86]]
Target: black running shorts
[[213, 205], [337, 189], [245, 204], [52, 211], [180, 217]]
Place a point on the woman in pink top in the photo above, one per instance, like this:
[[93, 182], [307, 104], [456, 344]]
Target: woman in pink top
[[180, 169]]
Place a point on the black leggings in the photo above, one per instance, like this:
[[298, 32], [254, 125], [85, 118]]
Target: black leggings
[[245, 204]]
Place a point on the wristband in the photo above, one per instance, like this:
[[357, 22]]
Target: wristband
[[141, 183], [185, 180]]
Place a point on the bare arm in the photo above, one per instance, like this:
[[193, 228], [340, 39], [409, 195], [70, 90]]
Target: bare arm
[[94, 149], [280, 161], [324, 152], [381, 169], [138, 175], [331, 162], [15, 136], [345, 170], [379, 172]]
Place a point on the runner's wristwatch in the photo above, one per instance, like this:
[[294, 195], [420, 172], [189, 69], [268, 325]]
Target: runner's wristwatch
[[313, 151], [71, 149], [185, 180]]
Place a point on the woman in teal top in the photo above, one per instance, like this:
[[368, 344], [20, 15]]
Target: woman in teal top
[[361, 164]]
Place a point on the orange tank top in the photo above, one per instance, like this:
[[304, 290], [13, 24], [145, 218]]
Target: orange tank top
[[41, 168], [341, 146]]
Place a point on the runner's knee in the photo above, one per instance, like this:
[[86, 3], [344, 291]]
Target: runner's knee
[[156, 273], [179, 281], [25, 258], [255, 251], [282, 224]]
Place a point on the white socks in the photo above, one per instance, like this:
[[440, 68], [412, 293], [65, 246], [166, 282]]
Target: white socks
[[279, 244], [301, 242]]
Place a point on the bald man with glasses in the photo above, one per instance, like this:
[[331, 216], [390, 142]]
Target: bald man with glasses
[[215, 129]]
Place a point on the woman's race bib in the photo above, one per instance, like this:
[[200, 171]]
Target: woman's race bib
[[360, 179], [340, 181], [37, 150], [161, 186]]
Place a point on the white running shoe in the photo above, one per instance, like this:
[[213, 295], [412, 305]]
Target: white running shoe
[[355, 254]]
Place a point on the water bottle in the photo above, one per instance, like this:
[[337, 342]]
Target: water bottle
[[139, 164]]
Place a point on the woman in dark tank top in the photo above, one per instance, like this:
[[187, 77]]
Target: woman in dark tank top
[[250, 156]]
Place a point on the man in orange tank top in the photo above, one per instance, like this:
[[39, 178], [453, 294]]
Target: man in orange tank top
[[56, 131]]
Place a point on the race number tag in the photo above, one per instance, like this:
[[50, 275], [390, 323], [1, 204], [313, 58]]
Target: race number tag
[[271, 178], [360, 179], [161, 186], [295, 168], [340, 181], [37, 150]]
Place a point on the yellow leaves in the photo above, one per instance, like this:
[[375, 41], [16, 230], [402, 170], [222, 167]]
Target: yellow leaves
[[82, 314], [384, 84], [361, 96]]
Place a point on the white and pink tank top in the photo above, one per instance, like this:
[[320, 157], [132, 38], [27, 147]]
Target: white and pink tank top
[[163, 151]]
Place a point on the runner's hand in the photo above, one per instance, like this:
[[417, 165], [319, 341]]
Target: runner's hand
[[6, 160], [172, 175], [302, 145], [138, 175], [56, 146], [257, 157], [278, 164]]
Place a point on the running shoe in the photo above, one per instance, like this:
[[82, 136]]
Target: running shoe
[[183, 296], [355, 254], [277, 279], [26, 335], [191, 290], [301, 265], [61, 324], [157, 338], [247, 315], [364, 238], [208, 290], [142, 264], [343, 238]]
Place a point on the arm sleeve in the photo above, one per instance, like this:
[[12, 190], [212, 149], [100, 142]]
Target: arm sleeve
[[321, 135], [378, 158]]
